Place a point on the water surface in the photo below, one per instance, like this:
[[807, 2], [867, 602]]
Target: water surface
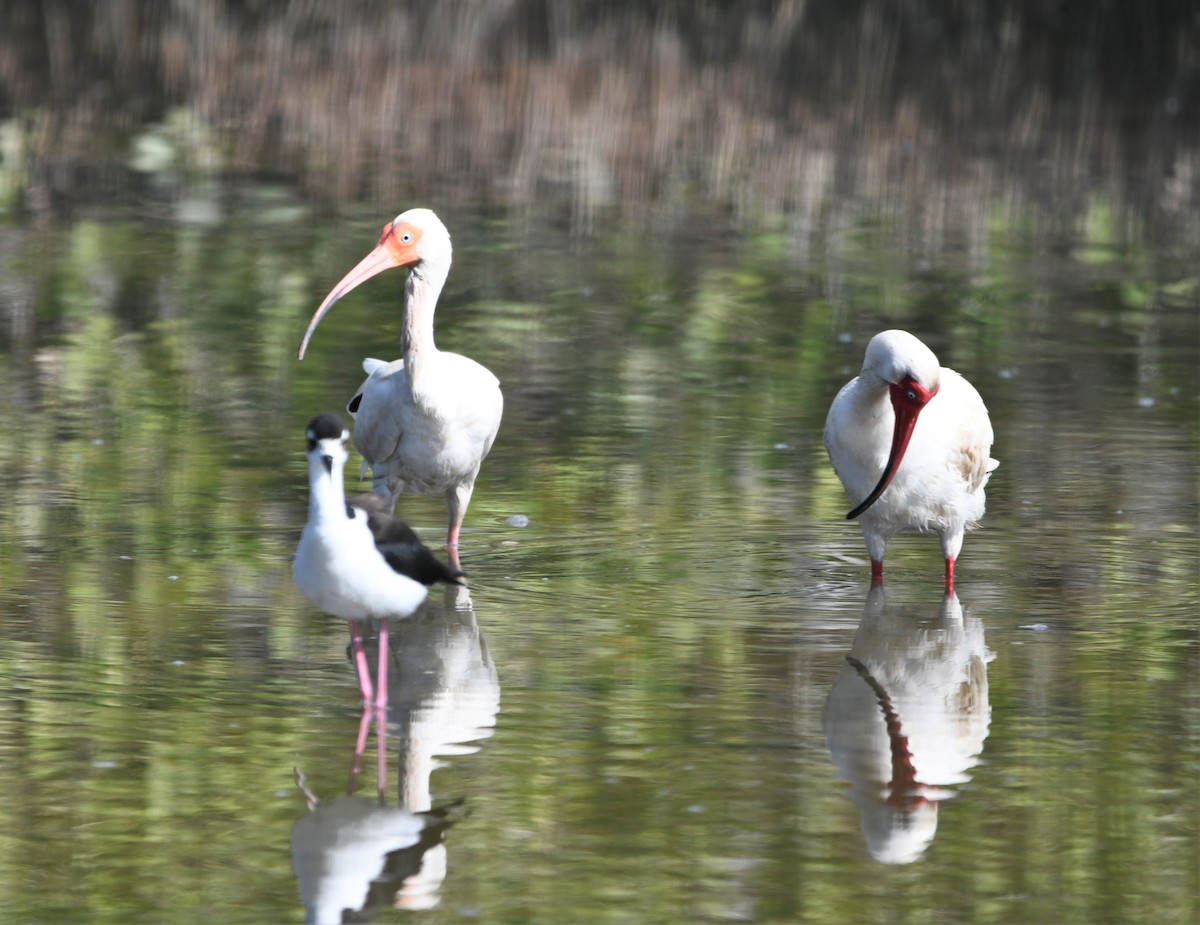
[[671, 696]]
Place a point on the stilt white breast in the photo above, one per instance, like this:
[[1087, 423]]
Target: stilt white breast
[[353, 562]]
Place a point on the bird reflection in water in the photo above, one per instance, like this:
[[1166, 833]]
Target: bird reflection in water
[[356, 853], [907, 718]]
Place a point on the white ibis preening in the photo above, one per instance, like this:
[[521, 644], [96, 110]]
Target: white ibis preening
[[910, 441], [356, 563], [424, 422]]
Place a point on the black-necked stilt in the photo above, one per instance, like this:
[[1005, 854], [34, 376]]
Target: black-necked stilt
[[425, 422], [356, 562]]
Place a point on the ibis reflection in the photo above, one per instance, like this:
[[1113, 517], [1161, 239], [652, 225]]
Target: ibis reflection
[[357, 853], [907, 718]]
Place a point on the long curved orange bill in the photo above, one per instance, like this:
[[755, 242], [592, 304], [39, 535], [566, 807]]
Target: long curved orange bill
[[908, 399], [373, 264]]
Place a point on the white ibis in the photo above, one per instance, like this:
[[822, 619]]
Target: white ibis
[[424, 422], [910, 441], [356, 563]]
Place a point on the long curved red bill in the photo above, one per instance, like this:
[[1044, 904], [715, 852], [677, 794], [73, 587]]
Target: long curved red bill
[[908, 398]]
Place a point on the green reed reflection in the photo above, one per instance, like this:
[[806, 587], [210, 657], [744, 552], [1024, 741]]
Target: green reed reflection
[[667, 628]]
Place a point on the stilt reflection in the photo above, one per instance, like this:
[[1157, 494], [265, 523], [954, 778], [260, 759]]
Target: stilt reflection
[[357, 853]]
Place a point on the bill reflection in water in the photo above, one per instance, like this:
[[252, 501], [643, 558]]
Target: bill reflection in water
[[907, 717]]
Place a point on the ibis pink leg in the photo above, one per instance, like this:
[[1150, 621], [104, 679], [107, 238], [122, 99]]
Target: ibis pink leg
[[949, 574], [457, 499], [876, 571]]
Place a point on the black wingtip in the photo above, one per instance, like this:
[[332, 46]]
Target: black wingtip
[[419, 563], [400, 546]]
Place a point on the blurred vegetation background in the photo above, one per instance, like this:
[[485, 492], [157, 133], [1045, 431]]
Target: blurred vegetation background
[[759, 108]]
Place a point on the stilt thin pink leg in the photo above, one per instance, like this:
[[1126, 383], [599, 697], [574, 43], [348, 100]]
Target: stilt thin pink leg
[[381, 697], [381, 713], [360, 663], [364, 726]]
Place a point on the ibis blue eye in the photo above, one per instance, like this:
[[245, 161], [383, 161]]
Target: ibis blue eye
[[912, 394], [406, 237]]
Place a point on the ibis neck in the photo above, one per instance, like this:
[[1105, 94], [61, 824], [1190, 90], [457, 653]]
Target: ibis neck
[[420, 298]]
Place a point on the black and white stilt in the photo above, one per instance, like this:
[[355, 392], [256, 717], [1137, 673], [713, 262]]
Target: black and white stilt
[[355, 560]]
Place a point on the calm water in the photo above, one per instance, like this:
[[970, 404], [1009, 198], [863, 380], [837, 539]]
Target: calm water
[[666, 698], [648, 702]]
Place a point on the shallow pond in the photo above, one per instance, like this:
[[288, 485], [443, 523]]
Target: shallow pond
[[668, 693], [660, 700]]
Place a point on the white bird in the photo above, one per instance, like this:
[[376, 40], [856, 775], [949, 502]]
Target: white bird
[[424, 422], [356, 563], [910, 440]]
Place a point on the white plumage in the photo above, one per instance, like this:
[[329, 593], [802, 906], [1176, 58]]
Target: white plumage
[[354, 561], [424, 423], [910, 441], [337, 566]]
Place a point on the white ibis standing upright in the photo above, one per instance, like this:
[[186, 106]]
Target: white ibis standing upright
[[356, 563], [910, 441], [424, 422]]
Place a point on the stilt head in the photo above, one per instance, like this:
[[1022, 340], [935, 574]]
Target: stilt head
[[325, 427], [327, 436]]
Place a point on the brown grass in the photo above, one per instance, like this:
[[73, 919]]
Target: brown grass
[[761, 109]]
